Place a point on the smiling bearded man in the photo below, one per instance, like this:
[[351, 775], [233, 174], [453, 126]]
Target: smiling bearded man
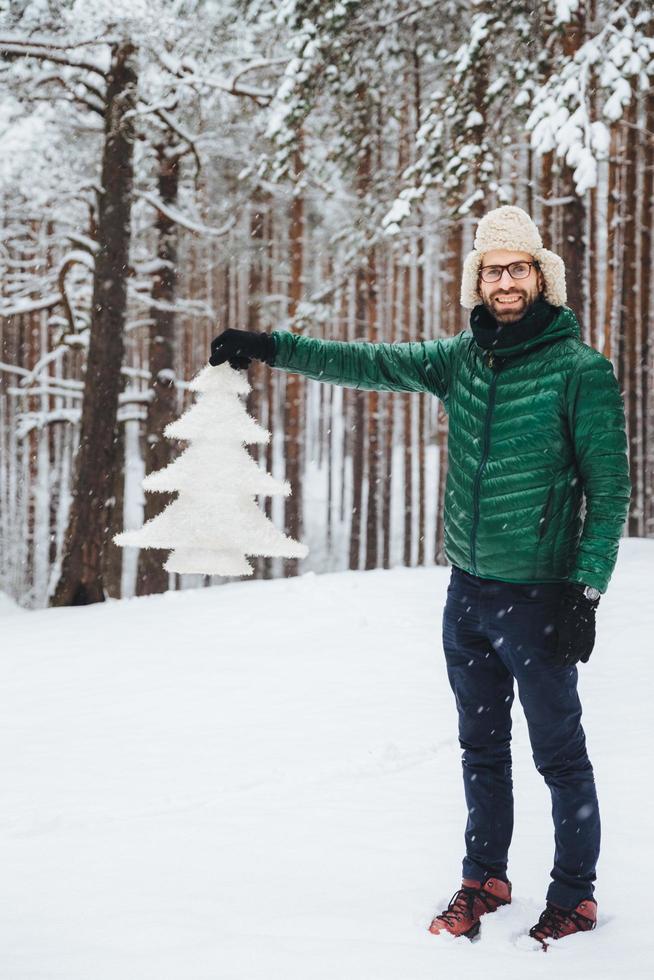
[[536, 427], [519, 285]]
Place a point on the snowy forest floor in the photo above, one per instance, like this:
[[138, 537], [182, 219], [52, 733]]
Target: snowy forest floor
[[262, 781]]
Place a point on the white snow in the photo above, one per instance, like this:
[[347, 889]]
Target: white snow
[[261, 781], [7, 606], [400, 209], [565, 10]]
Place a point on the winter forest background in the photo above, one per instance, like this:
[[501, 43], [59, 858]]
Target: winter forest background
[[170, 169]]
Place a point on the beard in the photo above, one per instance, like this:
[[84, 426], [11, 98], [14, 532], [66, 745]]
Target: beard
[[511, 312]]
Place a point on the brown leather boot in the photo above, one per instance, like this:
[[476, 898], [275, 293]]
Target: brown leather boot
[[462, 915], [555, 922]]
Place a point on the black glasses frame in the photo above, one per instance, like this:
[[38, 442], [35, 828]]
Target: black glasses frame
[[496, 265]]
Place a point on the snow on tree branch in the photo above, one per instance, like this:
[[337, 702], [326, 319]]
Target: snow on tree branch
[[184, 221], [613, 65], [29, 421], [47, 52], [21, 306]]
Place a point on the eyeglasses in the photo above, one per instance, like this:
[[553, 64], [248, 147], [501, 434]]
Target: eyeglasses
[[517, 270]]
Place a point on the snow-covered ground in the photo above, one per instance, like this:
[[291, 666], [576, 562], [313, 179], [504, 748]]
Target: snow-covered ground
[[261, 780]]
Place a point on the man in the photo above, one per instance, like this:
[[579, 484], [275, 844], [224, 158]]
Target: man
[[536, 426]]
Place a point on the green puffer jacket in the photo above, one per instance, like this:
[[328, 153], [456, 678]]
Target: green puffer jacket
[[531, 432]]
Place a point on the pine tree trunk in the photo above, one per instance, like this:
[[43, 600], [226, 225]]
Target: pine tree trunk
[[407, 429], [646, 256], [357, 435], [112, 563], [255, 402], [374, 441], [613, 240], [573, 247], [388, 419], [546, 190], [162, 408], [422, 399], [629, 314], [90, 514], [573, 212], [593, 313], [270, 377], [294, 386]]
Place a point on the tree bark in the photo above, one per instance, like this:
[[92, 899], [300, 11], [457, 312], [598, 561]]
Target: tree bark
[[357, 434], [647, 228], [257, 372], [573, 212], [374, 436], [162, 408], [367, 287], [419, 300], [81, 580], [112, 563], [407, 422], [629, 347], [294, 386], [546, 190], [613, 240]]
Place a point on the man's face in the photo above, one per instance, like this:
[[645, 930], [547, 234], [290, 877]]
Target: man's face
[[509, 299]]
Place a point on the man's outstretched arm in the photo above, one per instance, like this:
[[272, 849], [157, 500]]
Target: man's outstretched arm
[[415, 366]]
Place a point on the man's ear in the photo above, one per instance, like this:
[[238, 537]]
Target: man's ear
[[541, 282]]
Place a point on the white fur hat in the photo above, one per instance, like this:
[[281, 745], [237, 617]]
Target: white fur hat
[[511, 228]]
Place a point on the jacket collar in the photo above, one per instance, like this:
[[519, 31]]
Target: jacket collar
[[542, 324]]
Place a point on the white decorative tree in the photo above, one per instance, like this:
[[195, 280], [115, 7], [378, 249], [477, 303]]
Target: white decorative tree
[[215, 521]]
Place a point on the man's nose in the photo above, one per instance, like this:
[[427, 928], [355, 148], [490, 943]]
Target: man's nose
[[505, 272]]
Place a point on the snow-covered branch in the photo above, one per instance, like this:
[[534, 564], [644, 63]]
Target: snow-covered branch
[[184, 221], [27, 49], [190, 76], [28, 305], [174, 124], [256, 65], [78, 257], [30, 421], [607, 69], [96, 103]]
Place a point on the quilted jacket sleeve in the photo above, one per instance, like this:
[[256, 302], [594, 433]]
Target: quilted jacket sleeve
[[597, 424], [418, 366]]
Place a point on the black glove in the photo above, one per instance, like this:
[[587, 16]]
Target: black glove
[[240, 347], [575, 627]]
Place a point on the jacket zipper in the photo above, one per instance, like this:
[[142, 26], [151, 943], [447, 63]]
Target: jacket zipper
[[495, 366]]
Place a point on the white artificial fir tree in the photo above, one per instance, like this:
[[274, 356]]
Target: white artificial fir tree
[[215, 521]]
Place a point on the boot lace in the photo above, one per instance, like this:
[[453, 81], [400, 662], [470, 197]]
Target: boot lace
[[553, 921], [460, 906]]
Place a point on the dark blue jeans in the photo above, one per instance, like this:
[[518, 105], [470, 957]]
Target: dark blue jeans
[[495, 632]]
